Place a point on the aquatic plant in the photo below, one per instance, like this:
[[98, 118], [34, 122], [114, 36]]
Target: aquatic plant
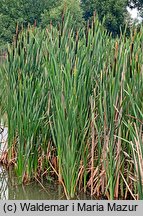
[[73, 105]]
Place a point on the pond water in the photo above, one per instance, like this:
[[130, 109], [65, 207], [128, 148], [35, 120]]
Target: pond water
[[11, 190]]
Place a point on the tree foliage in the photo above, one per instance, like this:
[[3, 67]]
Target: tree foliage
[[55, 14], [112, 11], [43, 11], [136, 3], [22, 12]]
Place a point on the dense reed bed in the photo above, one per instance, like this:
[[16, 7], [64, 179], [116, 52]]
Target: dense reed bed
[[73, 102]]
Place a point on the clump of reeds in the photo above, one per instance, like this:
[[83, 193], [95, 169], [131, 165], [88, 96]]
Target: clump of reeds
[[73, 106]]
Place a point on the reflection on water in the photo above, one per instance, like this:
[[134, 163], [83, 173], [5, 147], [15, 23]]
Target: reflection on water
[[34, 190], [3, 184], [11, 190], [3, 173], [3, 138]]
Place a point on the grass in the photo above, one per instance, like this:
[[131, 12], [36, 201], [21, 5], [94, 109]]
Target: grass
[[74, 108]]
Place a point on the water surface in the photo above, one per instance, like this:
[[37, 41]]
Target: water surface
[[11, 190]]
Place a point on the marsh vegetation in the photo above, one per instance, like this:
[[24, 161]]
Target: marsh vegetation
[[74, 111]]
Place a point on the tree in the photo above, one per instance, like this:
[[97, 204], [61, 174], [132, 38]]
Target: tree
[[32, 9], [88, 6], [10, 13], [136, 3], [113, 11], [22, 12], [139, 4], [55, 14]]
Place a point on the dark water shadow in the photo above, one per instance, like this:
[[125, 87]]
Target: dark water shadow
[[11, 190]]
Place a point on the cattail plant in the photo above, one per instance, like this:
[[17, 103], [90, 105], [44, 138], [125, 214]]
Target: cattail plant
[[72, 101]]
